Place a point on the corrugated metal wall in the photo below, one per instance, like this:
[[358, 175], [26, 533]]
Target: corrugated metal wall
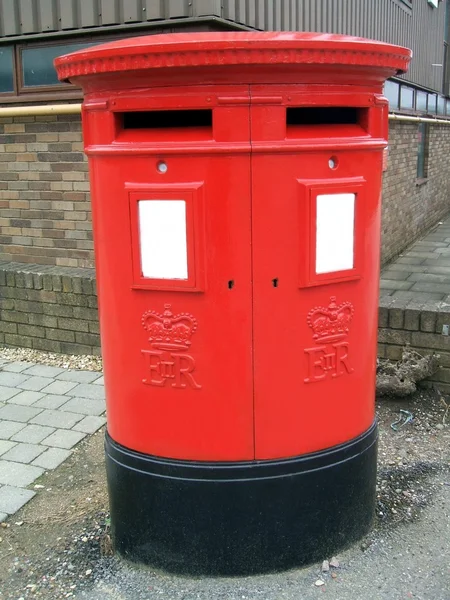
[[421, 28]]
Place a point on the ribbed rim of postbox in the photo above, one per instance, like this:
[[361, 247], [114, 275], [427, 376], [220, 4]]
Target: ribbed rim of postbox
[[191, 50]]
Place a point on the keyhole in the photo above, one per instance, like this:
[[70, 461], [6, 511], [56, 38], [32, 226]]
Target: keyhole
[[275, 282], [231, 284]]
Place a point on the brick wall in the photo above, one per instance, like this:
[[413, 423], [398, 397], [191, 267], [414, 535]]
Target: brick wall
[[408, 209], [44, 192], [405, 322], [49, 308]]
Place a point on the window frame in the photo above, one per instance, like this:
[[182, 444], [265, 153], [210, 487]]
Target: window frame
[[423, 131]]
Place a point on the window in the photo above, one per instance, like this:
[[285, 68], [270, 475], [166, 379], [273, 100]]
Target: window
[[422, 151], [37, 63], [27, 72], [392, 93]]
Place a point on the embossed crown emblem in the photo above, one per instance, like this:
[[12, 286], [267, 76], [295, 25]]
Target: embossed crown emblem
[[168, 331], [331, 323]]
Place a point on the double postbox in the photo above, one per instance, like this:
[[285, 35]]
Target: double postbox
[[236, 208]]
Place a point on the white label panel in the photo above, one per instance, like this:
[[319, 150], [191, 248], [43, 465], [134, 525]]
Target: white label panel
[[335, 232], [162, 235]]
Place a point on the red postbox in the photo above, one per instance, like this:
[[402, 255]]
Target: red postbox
[[236, 208]]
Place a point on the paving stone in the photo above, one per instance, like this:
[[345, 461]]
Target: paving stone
[[431, 278], [409, 260], [44, 371], [14, 412], [6, 393], [23, 453], [100, 381], [442, 261], [88, 390], [35, 383], [9, 428], [420, 254], [85, 406], [59, 387], [80, 376], [62, 438], [33, 434], [12, 379], [52, 458], [433, 288], [5, 446], [25, 398], [89, 424], [56, 418], [13, 498], [395, 275], [12, 473], [3, 517], [386, 284], [52, 401], [17, 366]]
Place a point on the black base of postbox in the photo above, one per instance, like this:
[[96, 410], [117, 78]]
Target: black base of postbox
[[240, 518]]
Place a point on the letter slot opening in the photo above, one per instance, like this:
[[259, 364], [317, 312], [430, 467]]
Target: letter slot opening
[[167, 119], [325, 115]]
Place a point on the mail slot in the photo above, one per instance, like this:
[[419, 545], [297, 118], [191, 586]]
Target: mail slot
[[236, 183]]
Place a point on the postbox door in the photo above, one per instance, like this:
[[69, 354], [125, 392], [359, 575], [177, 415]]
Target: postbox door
[[176, 314], [315, 238]]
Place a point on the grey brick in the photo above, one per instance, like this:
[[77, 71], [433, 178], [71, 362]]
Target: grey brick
[[424, 340], [62, 438], [59, 387], [12, 379], [85, 406], [394, 336], [35, 383], [428, 319], [17, 366], [9, 428], [33, 434], [6, 393], [25, 398], [52, 458], [56, 418], [88, 390], [12, 473], [419, 296], [89, 424], [394, 352], [44, 371], [52, 401], [5, 446], [14, 412], [100, 381], [23, 453], [80, 376], [13, 498]]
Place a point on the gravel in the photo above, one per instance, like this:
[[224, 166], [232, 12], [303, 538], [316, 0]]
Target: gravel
[[65, 361]]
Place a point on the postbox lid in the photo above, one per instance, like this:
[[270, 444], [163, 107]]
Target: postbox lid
[[227, 49]]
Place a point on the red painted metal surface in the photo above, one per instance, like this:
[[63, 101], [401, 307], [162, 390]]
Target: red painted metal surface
[[256, 353]]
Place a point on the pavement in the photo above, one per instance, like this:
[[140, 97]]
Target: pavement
[[422, 273], [44, 412]]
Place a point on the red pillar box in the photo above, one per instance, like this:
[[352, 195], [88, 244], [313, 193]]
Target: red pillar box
[[236, 208]]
